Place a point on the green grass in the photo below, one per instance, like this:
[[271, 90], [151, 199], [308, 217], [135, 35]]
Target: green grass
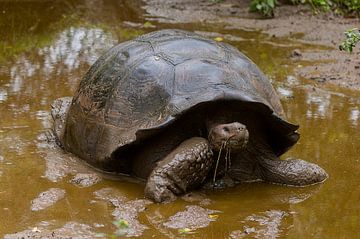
[[345, 7]]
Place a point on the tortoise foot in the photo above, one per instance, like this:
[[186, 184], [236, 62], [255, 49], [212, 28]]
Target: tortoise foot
[[184, 168], [294, 172]]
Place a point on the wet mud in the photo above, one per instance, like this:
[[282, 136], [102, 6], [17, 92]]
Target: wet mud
[[125, 209], [47, 199], [53, 44], [290, 22], [265, 225], [70, 230], [85, 179], [193, 217]]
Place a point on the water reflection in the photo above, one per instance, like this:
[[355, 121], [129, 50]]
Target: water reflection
[[3, 95], [318, 104], [285, 92], [354, 116], [49, 68], [73, 47]]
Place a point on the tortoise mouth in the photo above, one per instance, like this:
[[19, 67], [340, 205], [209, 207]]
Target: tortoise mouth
[[238, 143]]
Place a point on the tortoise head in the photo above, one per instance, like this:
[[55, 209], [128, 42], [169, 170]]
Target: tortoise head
[[231, 135]]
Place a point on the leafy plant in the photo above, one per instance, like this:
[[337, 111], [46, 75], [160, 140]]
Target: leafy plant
[[352, 37], [352, 5], [320, 4], [265, 7], [348, 6], [297, 2]]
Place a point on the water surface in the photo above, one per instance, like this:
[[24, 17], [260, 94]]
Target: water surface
[[46, 49]]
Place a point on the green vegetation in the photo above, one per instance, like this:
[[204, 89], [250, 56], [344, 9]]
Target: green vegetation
[[265, 7], [345, 7], [352, 37], [323, 5], [349, 5], [122, 227]]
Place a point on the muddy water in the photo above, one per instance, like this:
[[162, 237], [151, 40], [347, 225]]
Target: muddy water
[[46, 47]]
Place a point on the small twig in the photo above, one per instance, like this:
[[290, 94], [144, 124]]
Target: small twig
[[229, 164], [217, 162], [226, 159]]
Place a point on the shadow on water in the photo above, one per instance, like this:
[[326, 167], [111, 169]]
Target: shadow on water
[[47, 48]]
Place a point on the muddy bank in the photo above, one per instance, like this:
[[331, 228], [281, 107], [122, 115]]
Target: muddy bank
[[324, 65]]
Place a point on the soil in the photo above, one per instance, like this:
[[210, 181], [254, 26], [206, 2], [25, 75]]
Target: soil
[[193, 217], [70, 230], [328, 63], [85, 179], [125, 209]]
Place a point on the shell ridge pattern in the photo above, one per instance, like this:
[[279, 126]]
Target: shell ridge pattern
[[183, 46], [148, 83], [130, 67], [94, 80], [148, 42]]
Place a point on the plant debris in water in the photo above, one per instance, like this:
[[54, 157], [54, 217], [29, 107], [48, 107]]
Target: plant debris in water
[[121, 230]]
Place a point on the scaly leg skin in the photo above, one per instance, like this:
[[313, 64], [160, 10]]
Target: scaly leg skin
[[184, 168], [293, 172]]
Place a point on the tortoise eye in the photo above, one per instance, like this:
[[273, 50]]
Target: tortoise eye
[[226, 129]]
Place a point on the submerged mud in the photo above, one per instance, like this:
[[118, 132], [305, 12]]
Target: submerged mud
[[73, 230], [53, 44], [265, 225], [193, 217], [125, 209], [47, 199], [85, 179]]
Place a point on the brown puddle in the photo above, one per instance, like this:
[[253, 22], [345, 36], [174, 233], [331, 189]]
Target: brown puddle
[[43, 55]]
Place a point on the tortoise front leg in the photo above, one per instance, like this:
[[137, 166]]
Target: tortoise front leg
[[184, 168], [295, 172]]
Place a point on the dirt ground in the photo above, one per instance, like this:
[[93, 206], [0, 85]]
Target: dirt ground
[[331, 65]]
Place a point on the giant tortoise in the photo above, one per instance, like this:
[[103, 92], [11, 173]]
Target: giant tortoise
[[178, 109]]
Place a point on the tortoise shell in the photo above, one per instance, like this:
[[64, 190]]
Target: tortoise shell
[[141, 86]]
